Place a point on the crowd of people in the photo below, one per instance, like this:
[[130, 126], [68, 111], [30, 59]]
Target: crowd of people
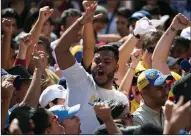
[[95, 67]]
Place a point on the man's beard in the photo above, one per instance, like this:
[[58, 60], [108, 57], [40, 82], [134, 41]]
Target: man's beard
[[110, 77]]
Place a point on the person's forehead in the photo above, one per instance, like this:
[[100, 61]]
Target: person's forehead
[[104, 53], [13, 20]]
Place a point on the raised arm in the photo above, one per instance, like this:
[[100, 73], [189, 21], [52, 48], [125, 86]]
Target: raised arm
[[44, 14], [163, 46], [6, 95], [24, 43], [104, 113], [34, 91], [6, 42], [127, 80], [63, 55], [88, 40]]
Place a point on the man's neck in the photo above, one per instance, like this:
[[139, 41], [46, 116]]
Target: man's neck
[[70, 131], [153, 107]]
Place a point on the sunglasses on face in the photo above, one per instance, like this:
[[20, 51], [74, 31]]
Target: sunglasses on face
[[150, 49], [128, 116]]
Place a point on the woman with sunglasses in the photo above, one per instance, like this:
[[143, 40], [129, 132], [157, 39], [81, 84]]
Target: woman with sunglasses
[[129, 82]]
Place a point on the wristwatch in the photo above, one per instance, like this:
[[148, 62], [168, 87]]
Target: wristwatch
[[136, 36]]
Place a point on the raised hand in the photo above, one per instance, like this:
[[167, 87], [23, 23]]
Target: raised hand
[[40, 59], [180, 22], [7, 89], [45, 13], [177, 115], [6, 26], [89, 13], [25, 41], [88, 3], [135, 57], [103, 112]]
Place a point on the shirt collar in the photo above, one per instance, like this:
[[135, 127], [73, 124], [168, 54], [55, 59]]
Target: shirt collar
[[148, 109]]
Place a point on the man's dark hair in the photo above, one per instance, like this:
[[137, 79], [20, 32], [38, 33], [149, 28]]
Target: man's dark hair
[[11, 13], [69, 13], [55, 101], [148, 129], [181, 42], [151, 39], [117, 107], [124, 12], [26, 113], [111, 47]]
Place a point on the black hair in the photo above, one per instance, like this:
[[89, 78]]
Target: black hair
[[30, 19], [11, 13], [124, 12], [55, 101], [148, 129], [181, 42], [117, 107], [26, 113], [109, 47], [69, 13]]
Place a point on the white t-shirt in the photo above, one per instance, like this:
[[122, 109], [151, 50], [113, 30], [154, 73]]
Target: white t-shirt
[[83, 90]]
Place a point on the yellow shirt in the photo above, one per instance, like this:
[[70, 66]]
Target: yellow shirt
[[134, 106]]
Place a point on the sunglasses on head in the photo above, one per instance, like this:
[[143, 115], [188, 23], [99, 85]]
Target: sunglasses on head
[[150, 49], [128, 116]]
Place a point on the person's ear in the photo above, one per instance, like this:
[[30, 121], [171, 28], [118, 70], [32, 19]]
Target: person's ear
[[117, 68]]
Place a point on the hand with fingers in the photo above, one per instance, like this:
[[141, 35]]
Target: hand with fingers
[[103, 111], [90, 7], [136, 57], [180, 22], [6, 26], [45, 13], [177, 115], [40, 59], [25, 41], [88, 3], [7, 89]]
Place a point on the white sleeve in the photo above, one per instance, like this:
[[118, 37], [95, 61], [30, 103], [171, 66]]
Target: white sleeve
[[79, 83]]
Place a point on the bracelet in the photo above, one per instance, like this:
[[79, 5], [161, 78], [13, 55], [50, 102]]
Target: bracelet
[[136, 36], [132, 68], [173, 29]]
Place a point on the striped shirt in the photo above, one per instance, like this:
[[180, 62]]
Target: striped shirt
[[144, 115]]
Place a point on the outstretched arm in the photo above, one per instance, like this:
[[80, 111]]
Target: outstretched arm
[[127, 80], [44, 14], [88, 40], [6, 42], [34, 91], [164, 44], [67, 38]]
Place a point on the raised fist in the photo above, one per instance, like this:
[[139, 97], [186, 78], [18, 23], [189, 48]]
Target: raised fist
[[180, 22], [45, 13], [25, 41], [6, 25]]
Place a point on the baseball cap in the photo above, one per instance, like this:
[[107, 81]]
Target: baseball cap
[[52, 92], [186, 33], [151, 77], [16, 82], [140, 14], [64, 112], [21, 71], [171, 61]]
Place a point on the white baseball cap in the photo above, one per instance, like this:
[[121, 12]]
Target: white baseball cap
[[186, 33], [52, 92]]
